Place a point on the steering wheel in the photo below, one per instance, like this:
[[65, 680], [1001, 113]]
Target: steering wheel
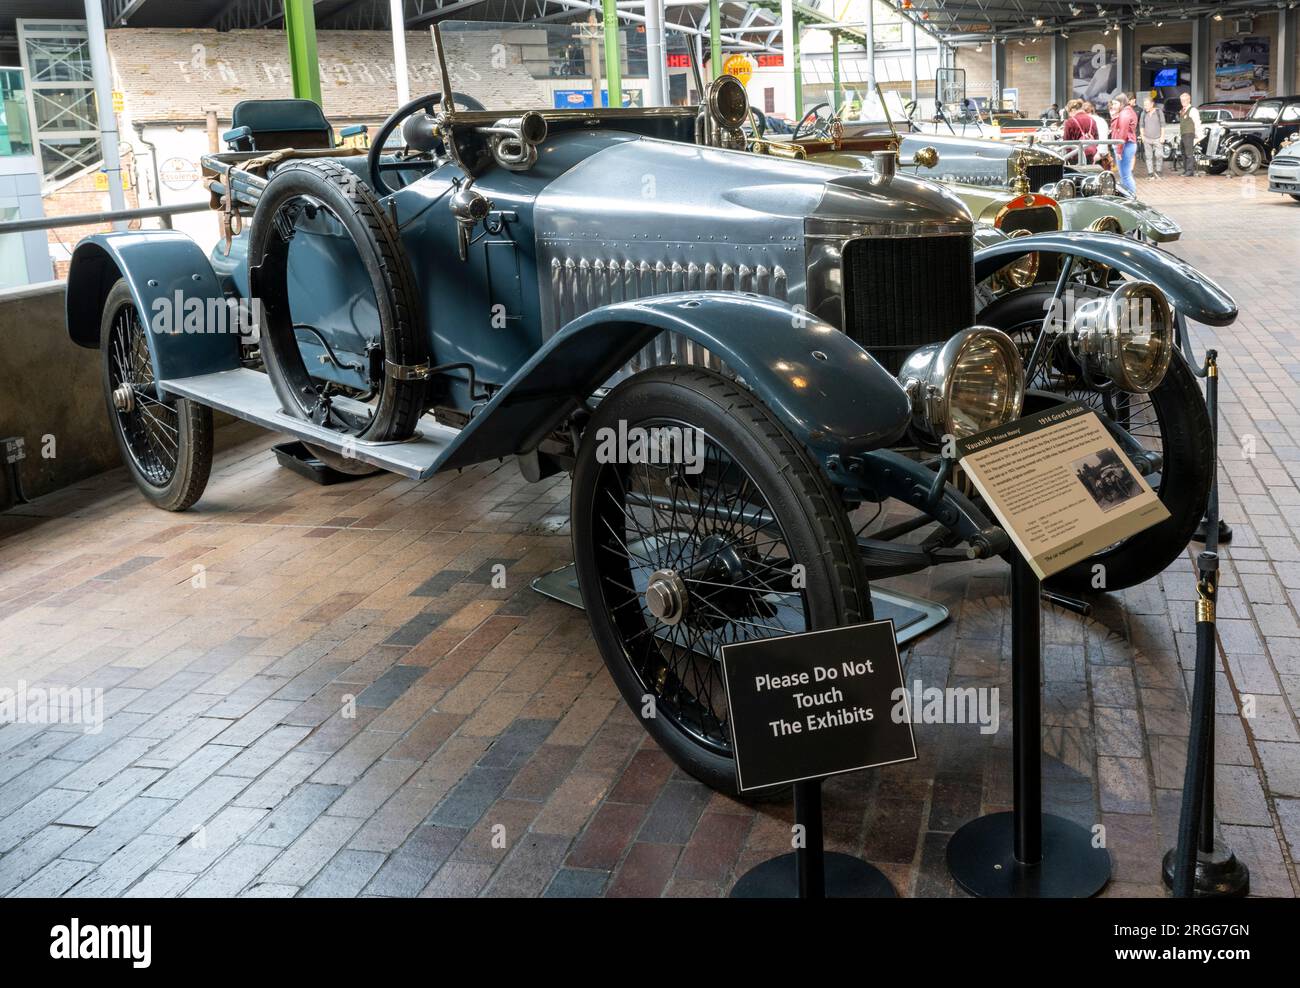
[[818, 127], [428, 104], [757, 123]]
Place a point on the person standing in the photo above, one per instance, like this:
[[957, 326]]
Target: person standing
[[1151, 128], [1189, 129], [1079, 127], [1103, 128], [1125, 129]]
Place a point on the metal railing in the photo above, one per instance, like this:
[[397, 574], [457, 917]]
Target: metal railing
[[109, 216]]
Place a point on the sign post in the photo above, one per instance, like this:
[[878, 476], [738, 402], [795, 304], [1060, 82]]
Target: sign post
[[1062, 488], [803, 707]]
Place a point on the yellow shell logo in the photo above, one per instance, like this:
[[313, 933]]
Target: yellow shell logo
[[740, 66]]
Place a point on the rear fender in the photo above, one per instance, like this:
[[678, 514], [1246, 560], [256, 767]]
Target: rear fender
[[193, 328], [829, 392], [1191, 293]]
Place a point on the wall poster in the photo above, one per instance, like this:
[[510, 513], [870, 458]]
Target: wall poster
[[1241, 67], [1095, 75]]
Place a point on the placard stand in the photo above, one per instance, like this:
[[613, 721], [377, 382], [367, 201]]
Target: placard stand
[[1026, 853], [809, 872]]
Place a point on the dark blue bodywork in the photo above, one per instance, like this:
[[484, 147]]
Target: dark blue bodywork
[[546, 316]]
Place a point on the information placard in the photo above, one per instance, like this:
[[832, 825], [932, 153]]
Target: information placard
[[1059, 485], [817, 704]]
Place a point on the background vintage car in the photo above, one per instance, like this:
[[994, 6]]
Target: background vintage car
[[970, 164], [1284, 169], [1246, 145]]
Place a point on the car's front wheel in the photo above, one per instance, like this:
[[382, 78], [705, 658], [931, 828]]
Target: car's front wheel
[[736, 536], [1245, 160], [1171, 420]]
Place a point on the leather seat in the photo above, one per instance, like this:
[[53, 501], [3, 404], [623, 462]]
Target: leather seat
[[275, 124]]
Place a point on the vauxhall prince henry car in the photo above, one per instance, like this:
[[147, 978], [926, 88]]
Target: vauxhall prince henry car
[[731, 354]]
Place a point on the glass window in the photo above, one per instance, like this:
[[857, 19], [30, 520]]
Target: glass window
[[1291, 114], [1266, 111], [15, 128]]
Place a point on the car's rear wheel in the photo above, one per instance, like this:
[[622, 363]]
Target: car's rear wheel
[[743, 540], [1171, 420], [167, 445]]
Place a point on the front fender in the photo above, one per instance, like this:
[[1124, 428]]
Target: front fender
[[168, 275], [829, 392], [1192, 294], [1076, 214]]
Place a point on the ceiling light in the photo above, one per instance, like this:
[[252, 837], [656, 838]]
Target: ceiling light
[[1218, 16], [1039, 22]]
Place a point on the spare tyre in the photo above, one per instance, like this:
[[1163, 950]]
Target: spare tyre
[[391, 407]]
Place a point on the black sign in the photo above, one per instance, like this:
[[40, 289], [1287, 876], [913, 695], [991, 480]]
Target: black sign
[[817, 704]]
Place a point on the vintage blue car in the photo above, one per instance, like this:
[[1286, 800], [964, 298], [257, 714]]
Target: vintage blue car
[[731, 353]]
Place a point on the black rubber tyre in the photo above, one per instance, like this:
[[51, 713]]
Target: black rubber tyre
[[1217, 168], [1294, 196], [1246, 160], [167, 447], [789, 515], [1182, 424], [327, 184]]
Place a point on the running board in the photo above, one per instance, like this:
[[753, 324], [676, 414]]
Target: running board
[[248, 395]]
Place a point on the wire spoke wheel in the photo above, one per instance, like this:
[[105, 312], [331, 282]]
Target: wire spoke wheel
[[150, 428], [167, 445], [719, 531], [695, 562]]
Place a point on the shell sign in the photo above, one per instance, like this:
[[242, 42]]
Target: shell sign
[[740, 66]]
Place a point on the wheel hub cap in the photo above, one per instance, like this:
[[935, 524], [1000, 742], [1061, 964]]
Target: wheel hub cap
[[124, 398], [665, 596]]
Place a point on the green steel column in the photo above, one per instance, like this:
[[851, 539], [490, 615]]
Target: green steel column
[[613, 56], [835, 68], [715, 39], [798, 72], [300, 27]]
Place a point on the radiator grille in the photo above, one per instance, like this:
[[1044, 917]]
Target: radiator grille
[[1040, 175], [1039, 219], [901, 293]]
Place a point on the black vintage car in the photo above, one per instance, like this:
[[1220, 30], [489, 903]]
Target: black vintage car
[[1245, 146]]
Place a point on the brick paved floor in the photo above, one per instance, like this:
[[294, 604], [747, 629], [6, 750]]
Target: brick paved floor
[[485, 751]]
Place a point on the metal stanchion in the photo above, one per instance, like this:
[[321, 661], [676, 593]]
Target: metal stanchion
[[1198, 866], [1027, 853], [809, 872], [1222, 532]]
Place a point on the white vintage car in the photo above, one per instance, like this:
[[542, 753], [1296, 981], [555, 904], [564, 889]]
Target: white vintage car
[[1284, 171]]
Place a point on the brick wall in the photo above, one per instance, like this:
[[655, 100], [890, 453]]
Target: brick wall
[[179, 75], [1033, 79], [81, 196]]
